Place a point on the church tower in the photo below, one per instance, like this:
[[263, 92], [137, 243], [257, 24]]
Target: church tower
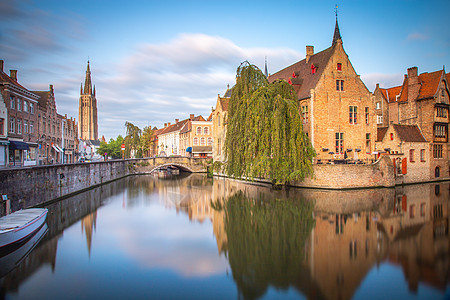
[[88, 127]]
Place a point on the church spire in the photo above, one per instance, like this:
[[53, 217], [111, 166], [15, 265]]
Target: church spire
[[337, 33], [87, 82]]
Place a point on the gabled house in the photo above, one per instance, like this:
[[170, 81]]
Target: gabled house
[[196, 137], [336, 107], [423, 101], [386, 108], [219, 124], [408, 149]]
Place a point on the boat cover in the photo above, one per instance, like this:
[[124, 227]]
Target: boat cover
[[20, 218]]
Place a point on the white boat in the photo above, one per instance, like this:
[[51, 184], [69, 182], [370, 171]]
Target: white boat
[[21, 224]]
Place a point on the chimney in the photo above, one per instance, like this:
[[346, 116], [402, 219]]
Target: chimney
[[1, 65], [165, 125], [191, 117], [176, 121], [412, 72], [13, 74], [378, 86], [51, 87], [309, 52], [168, 124]]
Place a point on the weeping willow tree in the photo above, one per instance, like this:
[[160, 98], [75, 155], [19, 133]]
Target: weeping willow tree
[[267, 241], [265, 137]]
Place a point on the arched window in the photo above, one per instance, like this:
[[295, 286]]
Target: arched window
[[218, 119], [199, 130], [205, 130], [195, 141], [202, 141], [210, 141]]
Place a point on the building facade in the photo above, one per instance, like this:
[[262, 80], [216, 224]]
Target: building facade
[[219, 120], [335, 105], [87, 117], [21, 106], [49, 128], [69, 139]]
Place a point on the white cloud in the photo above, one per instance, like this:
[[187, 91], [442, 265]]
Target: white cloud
[[385, 80], [417, 36], [156, 82]]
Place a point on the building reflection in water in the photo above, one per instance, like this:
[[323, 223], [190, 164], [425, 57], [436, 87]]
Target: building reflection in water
[[320, 243], [353, 232]]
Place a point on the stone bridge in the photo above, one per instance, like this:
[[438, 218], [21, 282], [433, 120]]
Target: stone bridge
[[187, 164]]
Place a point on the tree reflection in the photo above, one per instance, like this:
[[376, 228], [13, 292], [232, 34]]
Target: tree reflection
[[266, 241]]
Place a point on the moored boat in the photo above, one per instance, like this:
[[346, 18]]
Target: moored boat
[[19, 225]]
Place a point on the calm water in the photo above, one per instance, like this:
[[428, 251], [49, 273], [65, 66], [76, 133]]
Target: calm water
[[197, 238]]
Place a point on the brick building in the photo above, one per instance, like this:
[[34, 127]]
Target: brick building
[[21, 106], [219, 122], [49, 128], [336, 107], [69, 139], [422, 100]]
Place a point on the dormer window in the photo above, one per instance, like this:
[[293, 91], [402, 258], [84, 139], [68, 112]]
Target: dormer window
[[339, 67], [313, 69]]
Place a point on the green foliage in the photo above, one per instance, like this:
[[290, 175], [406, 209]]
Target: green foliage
[[266, 241], [113, 148], [133, 140], [265, 136], [217, 166], [147, 140]]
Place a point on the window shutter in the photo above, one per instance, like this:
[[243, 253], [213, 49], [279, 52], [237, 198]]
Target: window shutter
[[404, 169], [395, 169]]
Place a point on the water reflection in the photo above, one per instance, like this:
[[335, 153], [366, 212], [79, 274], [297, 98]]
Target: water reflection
[[301, 243]]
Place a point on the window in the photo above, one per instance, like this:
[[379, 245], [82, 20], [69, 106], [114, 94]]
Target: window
[[205, 130], [31, 108], [219, 149], [440, 131], [202, 141], [218, 120], [25, 126], [353, 114], [437, 172], [313, 69], [412, 211], [19, 104], [379, 119], [195, 141], [12, 102], [19, 126], [422, 155], [378, 105], [441, 112], [31, 127], [411, 155], [339, 67], [339, 142], [367, 142], [437, 150], [2, 124], [199, 130], [305, 114], [25, 106], [367, 115], [210, 141], [422, 209], [392, 136], [339, 85]]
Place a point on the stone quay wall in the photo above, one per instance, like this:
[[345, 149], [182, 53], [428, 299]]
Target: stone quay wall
[[26, 187]]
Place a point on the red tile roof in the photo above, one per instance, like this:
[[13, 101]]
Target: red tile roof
[[409, 133], [429, 84], [390, 94], [304, 79], [381, 132]]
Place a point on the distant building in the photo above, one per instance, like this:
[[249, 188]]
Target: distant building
[[219, 120], [87, 118], [196, 137], [69, 139]]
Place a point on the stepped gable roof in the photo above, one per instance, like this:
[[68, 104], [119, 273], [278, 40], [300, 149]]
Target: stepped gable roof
[[381, 132], [390, 94], [429, 84], [409, 133], [304, 79], [43, 98]]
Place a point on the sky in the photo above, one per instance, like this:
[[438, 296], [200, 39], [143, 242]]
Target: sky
[[156, 61]]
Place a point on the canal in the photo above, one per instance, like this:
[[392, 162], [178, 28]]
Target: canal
[[193, 237]]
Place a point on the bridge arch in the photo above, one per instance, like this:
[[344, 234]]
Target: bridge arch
[[179, 166]]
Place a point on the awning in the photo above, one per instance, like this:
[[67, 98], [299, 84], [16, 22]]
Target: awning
[[189, 149], [4, 143], [202, 149], [56, 148], [18, 145]]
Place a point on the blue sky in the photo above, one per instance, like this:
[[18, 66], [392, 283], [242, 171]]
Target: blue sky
[[156, 61]]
